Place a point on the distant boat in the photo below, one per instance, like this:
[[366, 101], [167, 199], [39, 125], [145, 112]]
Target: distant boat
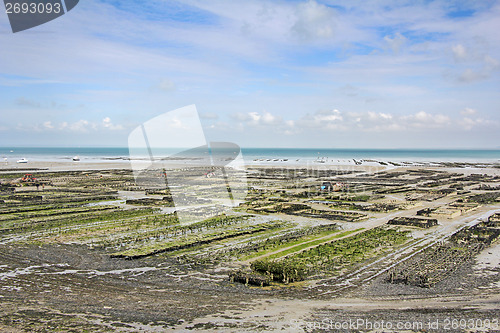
[[22, 160], [76, 158]]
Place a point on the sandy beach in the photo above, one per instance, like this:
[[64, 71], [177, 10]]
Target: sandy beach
[[490, 167]]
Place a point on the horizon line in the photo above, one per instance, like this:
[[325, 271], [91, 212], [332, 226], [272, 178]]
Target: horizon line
[[248, 147]]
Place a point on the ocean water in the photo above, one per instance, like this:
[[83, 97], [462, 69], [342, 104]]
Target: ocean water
[[55, 154], [381, 154], [263, 155]]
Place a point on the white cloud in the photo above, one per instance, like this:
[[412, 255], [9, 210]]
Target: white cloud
[[254, 117], [491, 64], [258, 48], [81, 125], [258, 119], [166, 85], [423, 119], [268, 118], [472, 75], [364, 129], [479, 64], [469, 123], [482, 70], [106, 123], [468, 112], [396, 42], [367, 122], [459, 52], [328, 116], [378, 116], [314, 21], [320, 120]]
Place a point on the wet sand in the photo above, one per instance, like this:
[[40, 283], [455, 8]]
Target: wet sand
[[71, 287]]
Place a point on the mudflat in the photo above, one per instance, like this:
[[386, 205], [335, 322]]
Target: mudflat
[[309, 249]]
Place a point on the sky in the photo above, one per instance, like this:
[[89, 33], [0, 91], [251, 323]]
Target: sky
[[325, 74]]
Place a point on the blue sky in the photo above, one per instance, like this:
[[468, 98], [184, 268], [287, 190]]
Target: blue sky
[[342, 74]]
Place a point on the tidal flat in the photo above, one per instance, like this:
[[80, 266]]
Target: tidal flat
[[309, 249]]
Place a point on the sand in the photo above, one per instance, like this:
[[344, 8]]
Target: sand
[[69, 285]]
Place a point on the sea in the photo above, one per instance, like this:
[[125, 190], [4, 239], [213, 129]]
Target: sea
[[265, 155]]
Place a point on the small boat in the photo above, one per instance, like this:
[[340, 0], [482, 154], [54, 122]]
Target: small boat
[[76, 158], [22, 160]]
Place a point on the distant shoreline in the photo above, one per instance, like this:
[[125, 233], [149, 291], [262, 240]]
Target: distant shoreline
[[369, 167]]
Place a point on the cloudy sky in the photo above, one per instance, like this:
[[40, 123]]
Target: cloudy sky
[[340, 74]]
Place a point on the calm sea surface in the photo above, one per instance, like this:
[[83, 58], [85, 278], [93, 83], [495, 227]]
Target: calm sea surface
[[251, 154]]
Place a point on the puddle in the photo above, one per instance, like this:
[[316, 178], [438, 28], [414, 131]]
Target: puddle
[[106, 203], [23, 271], [488, 260]]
